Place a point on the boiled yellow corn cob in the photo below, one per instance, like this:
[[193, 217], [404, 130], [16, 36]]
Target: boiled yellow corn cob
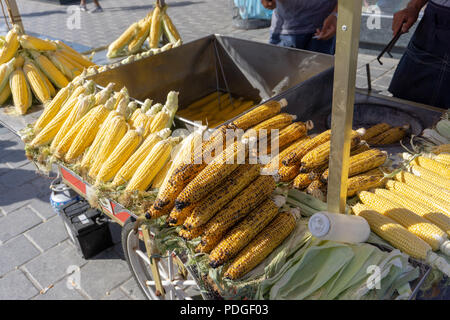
[[8, 51], [5, 71], [432, 165], [279, 122], [33, 43], [203, 101], [156, 28], [239, 236], [121, 95], [53, 108], [287, 173], [160, 121], [115, 48], [111, 139], [415, 224], [437, 218], [390, 136], [178, 216], [170, 31], [143, 31], [320, 155], [237, 181], [62, 64], [129, 168], [375, 131], [370, 179], [49, 69], [260, 114], [303, 180], [443, 148], [159, 178], [103, 95], [424, 186], [87, 133], [50, 86], [247, 200], [393, 232], [154, 161], [21, 92], [443, 158], [431, 176], [76, 57], [261, 246], [126, 147], [296, 155], [5, 94], [36, 81], [72, 67], [212, 175], [362, 162], [192, 233]]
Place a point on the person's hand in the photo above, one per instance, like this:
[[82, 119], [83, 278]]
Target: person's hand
[[328, 29], [269, 4], [404, 19]]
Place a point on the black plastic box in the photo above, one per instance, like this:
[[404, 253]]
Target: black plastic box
[[87, 228]]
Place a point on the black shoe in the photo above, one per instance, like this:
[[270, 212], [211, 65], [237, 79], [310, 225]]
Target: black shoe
[[97, 9]]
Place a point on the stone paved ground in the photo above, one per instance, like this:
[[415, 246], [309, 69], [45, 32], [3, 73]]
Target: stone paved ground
[[35, 251]]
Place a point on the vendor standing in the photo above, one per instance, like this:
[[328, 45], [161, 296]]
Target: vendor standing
[[303, 24], [423, 74]]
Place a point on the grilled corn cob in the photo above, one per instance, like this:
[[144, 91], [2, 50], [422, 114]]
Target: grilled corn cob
[[261, 246], [33, 43], [221, 195], [129, 168], [112, 137], [432, 165], [49, 69], [259, 114], [154, 161], [443, 148], [178, 216], [415, 224], [424, 186], [287, 173], [362, 162], [239, 236], [8, 51], [156, 28], [21, 92], [375, 131], [288, 135], [279, 122], [431, 176], [192, 233], [303, 180], [247, 200], [390, 136], [316, 189], [296, 155], [371, 179], [36, 81]]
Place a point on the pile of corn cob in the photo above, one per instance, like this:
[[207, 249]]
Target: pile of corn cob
[[32, 67], [156, 26], [215, 108], [384, 134], [412, 212]]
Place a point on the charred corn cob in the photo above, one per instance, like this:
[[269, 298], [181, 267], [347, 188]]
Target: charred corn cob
[[287, 173], [192, 233], [259, 114], [33, 43], [117, 46], [129, 168], [296, 155], [437, 218], [432, 165], [375, 131], [156, 28], [36, 81], [443, 148], [221, 195], [170, 31], [154, 161], [360, 148], [127, 145], [21, 92], [371, 179], [303, 180], [239, 236], [247, 200], [316, 189], [431, 176], [423, 185], [393, 232], [362, 162], [390, 136], [49, 69], [5, 94], [9, 50], [53, 108], [287, 135], [261, 246], [113, 136], [178, 216], [415, 224], [279, 122]]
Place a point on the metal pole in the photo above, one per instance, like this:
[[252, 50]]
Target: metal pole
[[346, 57]]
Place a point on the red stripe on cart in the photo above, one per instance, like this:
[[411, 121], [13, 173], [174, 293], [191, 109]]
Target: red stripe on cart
[[74, 181], [122, 215]]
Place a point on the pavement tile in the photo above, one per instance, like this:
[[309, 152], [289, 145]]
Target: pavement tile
[[116, 294], [17, 222], [132, 290], [18, 177], [17, 198], [42, 206], [62, 290], [52, 265], [49, 233], [16, 252], [16, 286]]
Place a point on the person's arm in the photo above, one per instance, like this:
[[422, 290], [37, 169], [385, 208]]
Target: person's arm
[[329, 26], [269, 4], [405, 19]]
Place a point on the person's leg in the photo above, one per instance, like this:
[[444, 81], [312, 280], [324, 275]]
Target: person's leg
[[97, 4], [322, 46], [98, 8], [83, 5], [297, 41], [274, 38]]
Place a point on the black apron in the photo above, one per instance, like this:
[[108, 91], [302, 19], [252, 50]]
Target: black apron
[[423, 73]]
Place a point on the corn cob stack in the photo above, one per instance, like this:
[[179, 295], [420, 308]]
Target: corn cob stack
[[261, 246], [389, 136], [365, 181], [424, 186], [431, 176], [295, 156], [431, 165], [191, 233], [375, 131]]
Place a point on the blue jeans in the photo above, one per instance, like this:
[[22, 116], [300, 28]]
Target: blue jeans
[[423, 73], [303, 41]]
